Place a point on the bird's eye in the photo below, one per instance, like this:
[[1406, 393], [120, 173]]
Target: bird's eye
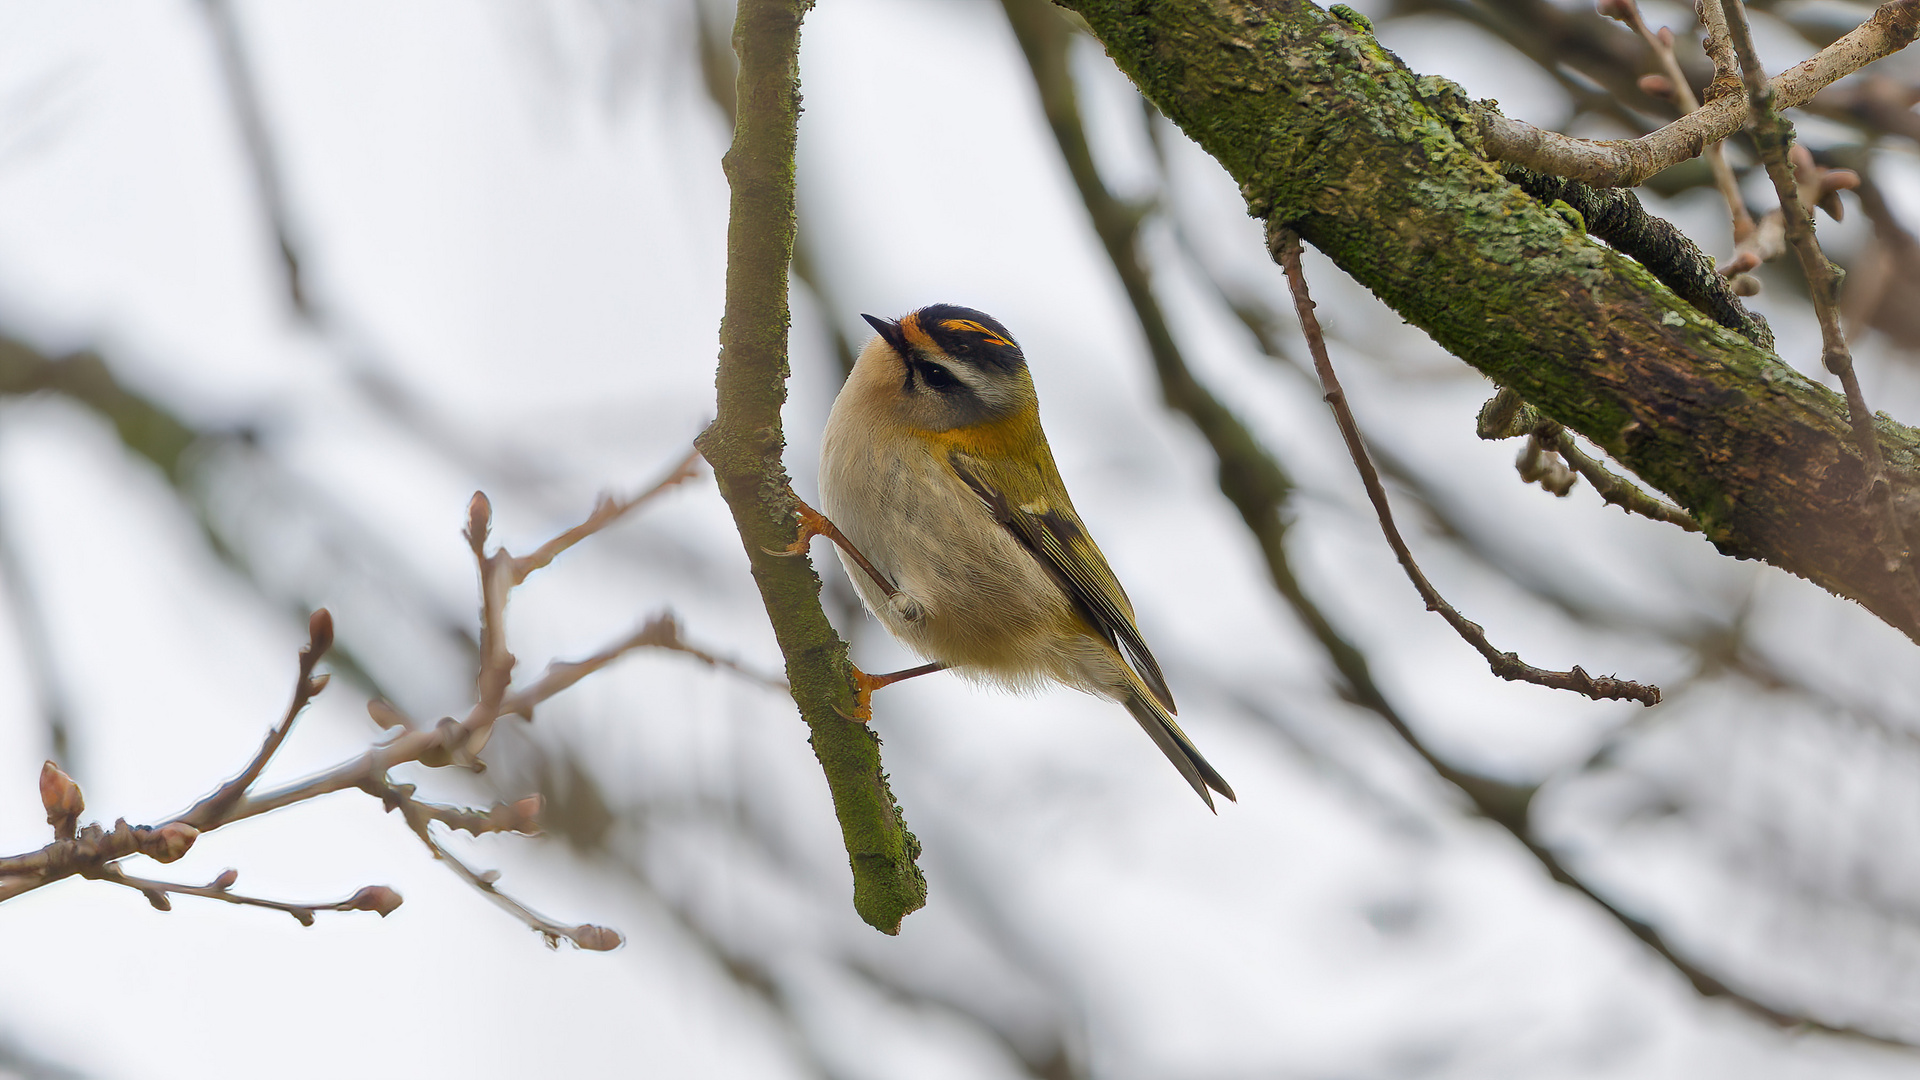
[[937, 377]]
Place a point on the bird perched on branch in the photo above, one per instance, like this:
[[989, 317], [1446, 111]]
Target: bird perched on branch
[[955, 526]]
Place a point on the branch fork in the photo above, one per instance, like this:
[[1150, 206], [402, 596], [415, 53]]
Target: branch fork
[[95, 852]]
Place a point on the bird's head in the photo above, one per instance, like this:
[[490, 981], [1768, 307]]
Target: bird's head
[[953, 367]]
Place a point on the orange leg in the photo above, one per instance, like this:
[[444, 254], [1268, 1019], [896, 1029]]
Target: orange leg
[[866, 684], [813, 523]]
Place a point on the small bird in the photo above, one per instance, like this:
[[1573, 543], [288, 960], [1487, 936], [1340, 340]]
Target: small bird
[[955, 526]]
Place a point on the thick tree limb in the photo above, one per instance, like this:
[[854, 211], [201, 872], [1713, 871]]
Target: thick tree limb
[[1773, 135], [1616, 216], [1329, 134], [744, 446]]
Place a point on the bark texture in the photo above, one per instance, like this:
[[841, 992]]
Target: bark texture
[[1328, 133], [745, 444]]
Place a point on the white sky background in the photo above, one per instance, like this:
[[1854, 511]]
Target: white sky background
[[515, 212]]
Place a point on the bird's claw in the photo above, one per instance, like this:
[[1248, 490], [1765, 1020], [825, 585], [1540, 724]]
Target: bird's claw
[[812, 523]]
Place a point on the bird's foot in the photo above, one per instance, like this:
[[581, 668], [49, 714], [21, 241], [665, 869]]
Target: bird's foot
[[814, 523], [864, 685]]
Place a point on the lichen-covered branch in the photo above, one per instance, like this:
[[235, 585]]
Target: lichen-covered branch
[[1616, 216], [1328, 133], [1773, 134], [744, 446], [1628, 162]]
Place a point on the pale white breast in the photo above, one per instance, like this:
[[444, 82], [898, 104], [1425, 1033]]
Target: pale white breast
[[984, 603]]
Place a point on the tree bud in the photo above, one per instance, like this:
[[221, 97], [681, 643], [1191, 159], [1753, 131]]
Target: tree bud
[[320, 632], [169, 841], [597, 938], [62, 799], [526, 814], [375, 898]]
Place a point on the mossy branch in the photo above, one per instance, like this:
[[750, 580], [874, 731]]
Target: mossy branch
[[745, 444], [1329, 134]]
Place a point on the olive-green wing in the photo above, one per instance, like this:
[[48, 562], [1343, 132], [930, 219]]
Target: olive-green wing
[[1057, 538]]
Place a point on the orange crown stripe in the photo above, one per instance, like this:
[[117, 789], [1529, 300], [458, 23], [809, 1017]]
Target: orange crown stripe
[[969, 324], [910, 328]]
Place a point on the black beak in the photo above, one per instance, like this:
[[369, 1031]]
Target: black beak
[[889, 330]]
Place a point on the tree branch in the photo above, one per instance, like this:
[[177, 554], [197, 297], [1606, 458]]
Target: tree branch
[[93, 851], [1617, 216], [1628, 163], [1329, 134], [1773, 135], [605, 513], [1504, 664], [744, 446]]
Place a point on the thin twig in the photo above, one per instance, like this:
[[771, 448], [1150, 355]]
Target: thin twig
[[93, 851], [1504, 664], [205, 813], [520, 816], [1773, 133], [242, 93], [1661, 42], [375, 898], [420, 820], [1718, 45], [605, 513], [36, 644], [660, 632], [1627, 163], [1508, 416], [1616, 489]]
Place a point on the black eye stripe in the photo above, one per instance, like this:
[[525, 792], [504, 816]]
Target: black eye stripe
[[937, 377]]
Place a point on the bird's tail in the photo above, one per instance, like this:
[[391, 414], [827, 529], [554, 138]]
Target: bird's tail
[[1174, 743]]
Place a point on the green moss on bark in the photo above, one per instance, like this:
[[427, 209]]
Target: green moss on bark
[[745, 446], [1330, 134]]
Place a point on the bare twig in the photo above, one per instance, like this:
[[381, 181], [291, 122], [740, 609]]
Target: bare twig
[[605, 513], [93, 851], [1616, 489], [1626, 163], [1718, 46], [1508, 416], [206, 813], [1773, 133], [660, 632], [1286, 245], [242, 93], [375, 898], [420, 818], [497, 579], [31, 630], [1676, 86], [520, 816]]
